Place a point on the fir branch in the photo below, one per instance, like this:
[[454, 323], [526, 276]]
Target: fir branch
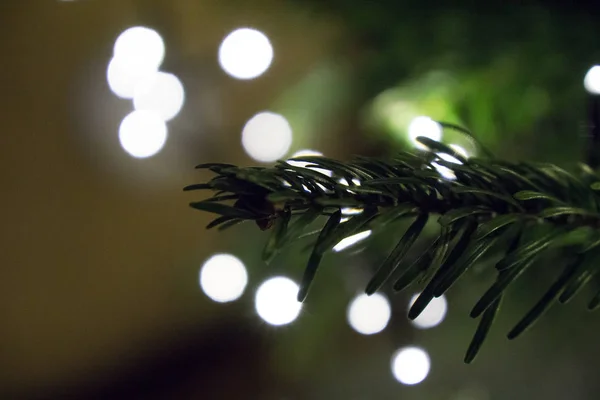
[[524, 210]]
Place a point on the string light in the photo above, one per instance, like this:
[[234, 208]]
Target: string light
[[276, 301], [369, 314], [591, 82], [142, 134], [424, 126], [223, 278], [160, 92], [410, 365], [245, 53], [433, 314], [267, 136]]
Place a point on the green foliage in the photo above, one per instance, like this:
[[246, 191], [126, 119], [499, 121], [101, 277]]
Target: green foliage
[[527, 212]]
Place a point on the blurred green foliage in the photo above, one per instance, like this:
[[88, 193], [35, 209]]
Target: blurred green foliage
[[516, 70]]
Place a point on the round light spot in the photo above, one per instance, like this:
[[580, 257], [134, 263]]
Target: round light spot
[[123, 75], [223, 278], [142, 134], [276, 301], [161, 93], [351, 241], [424, 126], [267, 136], [142, 44], [410, 365], [369, 314], [591, 82], [245, 53], [433, 314]]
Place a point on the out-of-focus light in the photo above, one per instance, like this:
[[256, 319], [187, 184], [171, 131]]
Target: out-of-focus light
[[433, 314], [591, 82], [303, 164], [141, 44], [460, 150], [223, 278], [424, 126], [245, 53], [276, 301], [445, 172], [161, 93], [410, 365], [351, 241], [142, 134], [267, 137], [369, 314], [447, 157], [124, 74]]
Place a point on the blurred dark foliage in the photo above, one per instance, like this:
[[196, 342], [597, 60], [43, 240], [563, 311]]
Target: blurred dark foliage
[[223, 360]]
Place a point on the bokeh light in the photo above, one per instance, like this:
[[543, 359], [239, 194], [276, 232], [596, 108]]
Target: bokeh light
[[142, 134], [351, 241], [591, 82], [460, 150], [410, 365], [267, 136], [276, 301], [140, 45], [161, 93], [123, 75], [424, 126], [433, 314], [245, 53], [369, 314], [223, 278]]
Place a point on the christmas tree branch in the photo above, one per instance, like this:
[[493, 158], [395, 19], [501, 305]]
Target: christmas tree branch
[[526, 211]]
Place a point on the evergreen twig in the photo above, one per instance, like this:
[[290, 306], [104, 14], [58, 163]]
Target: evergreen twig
[[525, 210]]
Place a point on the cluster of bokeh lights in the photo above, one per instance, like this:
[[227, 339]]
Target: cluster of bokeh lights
[[224, 278], [267, 136], [133, 74], [245, 54]]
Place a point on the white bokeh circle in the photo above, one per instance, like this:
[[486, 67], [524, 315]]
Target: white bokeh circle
[[223, 278], [276, 301], [267, 136], [410, 365], [369, 314], [160, 92], [142, 134], [245, 53]]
